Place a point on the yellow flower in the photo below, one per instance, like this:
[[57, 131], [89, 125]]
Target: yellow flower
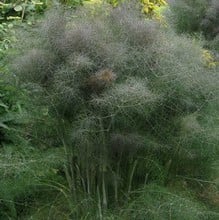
[[208, 59]]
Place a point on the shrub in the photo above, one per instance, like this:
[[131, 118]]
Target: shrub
[[210, 23], [126, 96], [196, 16]]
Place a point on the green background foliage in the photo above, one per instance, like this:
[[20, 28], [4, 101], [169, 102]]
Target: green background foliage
[[196, 16]]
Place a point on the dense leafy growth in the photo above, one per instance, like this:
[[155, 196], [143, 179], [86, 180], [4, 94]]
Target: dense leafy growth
[[196, 16], [118, 119]]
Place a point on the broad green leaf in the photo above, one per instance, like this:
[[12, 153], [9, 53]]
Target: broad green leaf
[[18, 8], [4, 126], [3, 105]]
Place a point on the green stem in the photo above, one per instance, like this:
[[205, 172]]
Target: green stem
[[131, 176]]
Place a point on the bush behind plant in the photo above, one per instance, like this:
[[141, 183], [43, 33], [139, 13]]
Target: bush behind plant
[[196, 16]]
